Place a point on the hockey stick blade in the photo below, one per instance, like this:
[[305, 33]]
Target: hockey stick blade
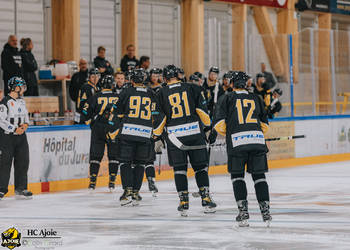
[[180, 146]]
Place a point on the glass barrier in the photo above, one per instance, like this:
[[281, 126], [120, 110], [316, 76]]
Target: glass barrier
[[320, 63]]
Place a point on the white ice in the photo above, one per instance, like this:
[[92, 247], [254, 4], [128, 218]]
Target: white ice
[[310, 206]]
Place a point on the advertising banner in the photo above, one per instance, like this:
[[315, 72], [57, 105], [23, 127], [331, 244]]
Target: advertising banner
[[58, 155], [268, 3]]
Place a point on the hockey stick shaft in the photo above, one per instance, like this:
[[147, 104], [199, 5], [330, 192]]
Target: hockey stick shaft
[[282, 138]]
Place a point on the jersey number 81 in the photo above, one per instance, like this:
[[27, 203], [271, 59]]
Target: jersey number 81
[[177, 103]]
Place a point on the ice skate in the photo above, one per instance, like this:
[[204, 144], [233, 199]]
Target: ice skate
[[184, 203], [136, 198], [265, 212], [126, 198], [243, 215], [111, 184], [2, 195], [152, 186], [207, 202], [92, 183], [23, 195]]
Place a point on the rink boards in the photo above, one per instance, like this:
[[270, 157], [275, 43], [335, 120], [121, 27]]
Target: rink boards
[[59, 155]]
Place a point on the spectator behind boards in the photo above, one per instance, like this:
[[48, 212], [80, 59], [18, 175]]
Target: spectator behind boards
[[101, 63], [29, 67], [78, 80], [129, 61], [269, 78], [11, 61]]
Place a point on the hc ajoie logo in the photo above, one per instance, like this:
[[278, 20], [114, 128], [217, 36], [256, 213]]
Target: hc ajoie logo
[[11, 238]]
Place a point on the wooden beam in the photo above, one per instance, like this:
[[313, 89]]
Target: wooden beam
[[129, 24], [239, 18], [265, 28], [66, 29], [324, 60], [192, 38], [287, 24]]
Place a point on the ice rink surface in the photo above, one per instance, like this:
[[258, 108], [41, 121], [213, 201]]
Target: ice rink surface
[[310, 207]]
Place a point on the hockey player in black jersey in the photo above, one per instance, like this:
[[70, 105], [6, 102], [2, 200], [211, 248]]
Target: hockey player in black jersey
[[213, 88], [243, 120], [96, 113], [186, 114], [155, 85], [272, 103], [135, 117], [86, 91]]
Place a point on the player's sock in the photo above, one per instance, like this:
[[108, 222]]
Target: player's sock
[[126, 174], [261, 187], [150, 171], [180, 175], [239, 187], [202, 178], [138, 172]]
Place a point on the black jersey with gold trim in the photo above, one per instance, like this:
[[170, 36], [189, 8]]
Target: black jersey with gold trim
[[137, 115], [86, 91], [242, 118], [185, 108], [98, 107]]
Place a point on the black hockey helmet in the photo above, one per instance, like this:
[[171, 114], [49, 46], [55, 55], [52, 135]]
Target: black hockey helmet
[[214, 69], [138, 76], [94, 71], [278, 91], [259, 75], [199, 74], [170, 71], [240, 80], [108, 82], [155, 71], [16, 81], [228, 74], [194, 77], [180, 70]]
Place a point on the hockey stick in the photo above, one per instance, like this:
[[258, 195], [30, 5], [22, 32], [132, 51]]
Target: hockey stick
[[285, 138], [282, 138], [181, 146], [160, 162]]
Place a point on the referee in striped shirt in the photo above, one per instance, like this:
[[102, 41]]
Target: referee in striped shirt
[[14, 147]]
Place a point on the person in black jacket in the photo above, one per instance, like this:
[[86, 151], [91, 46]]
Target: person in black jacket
[[78, 80], [129, 61], [101, 63], [29, 67], [11, 61]]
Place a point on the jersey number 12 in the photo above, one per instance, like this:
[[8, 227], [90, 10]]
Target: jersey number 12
[[246, 103]]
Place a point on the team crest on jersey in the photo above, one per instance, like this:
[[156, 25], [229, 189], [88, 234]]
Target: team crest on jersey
[[11, 238]]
